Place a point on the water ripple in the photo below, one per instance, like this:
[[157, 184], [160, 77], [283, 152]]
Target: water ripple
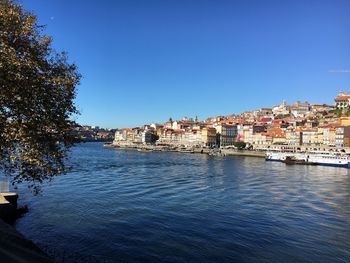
[[129, 206]]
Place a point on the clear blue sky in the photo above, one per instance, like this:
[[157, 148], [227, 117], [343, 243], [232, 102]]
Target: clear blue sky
[[144, 61]]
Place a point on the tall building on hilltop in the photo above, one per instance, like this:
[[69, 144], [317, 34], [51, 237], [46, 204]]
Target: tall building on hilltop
[[342, 100]]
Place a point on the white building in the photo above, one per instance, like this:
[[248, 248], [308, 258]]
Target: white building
[[342, 100], [281, 109], [120, 136]]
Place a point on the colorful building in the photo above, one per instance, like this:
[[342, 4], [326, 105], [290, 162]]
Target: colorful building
[[209, 136]]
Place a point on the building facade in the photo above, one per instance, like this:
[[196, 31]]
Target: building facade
[[209, 136], [228, 135], [342, 136]]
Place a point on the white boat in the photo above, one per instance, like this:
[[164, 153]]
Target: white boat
[[329, 159], [282, 156], [186, 150], [314, 158]]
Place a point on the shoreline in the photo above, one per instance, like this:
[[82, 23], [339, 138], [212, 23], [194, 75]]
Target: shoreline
[[15, 247], [199, 150], [221, 152], [17, 251]]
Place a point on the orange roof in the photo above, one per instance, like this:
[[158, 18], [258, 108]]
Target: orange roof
[[342, 98], [309, 129], [331, 115]]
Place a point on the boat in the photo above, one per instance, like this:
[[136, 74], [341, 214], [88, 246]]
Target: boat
[[218, 154], [109, 144], [145, 150], [310, 158], [293, 160], [329, 159], [277, 156], [186, 150]]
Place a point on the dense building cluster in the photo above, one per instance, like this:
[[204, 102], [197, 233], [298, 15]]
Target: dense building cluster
[[298, 124]]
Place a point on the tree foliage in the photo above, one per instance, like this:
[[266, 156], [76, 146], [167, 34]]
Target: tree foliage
[[155, 138], [338, 112], [37, 91], [240, 145]]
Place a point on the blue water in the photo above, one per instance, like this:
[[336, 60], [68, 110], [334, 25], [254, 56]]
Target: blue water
[[129, 206]]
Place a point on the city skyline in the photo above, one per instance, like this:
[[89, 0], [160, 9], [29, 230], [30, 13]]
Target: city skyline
[[143, 62], [234, 115], [175, 117]]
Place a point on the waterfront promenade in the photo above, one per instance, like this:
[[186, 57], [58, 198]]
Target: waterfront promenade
[[198, 150], [254, 151]]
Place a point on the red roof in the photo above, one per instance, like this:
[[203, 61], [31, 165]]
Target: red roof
[[265, 119], [342, 98], [330, 125]]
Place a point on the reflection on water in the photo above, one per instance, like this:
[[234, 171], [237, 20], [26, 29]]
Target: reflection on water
[[119, 205]]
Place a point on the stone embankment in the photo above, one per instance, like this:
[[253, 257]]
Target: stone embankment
[[8, 206], [201, 150], [14, 247], [257, 151]]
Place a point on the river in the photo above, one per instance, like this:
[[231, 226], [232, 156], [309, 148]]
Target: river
[[129, 206]]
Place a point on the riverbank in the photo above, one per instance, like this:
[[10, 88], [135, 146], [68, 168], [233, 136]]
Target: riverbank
[[199, 150], [14, 247]]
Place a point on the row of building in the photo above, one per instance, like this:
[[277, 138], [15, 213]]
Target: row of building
[[225, 134], [298, 124]]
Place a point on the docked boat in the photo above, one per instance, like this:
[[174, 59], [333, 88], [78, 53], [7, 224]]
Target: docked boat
[[310, 158], [329, 159], [111, 145], [283, 156], [145, 150], [186, 151], [294, 160]]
